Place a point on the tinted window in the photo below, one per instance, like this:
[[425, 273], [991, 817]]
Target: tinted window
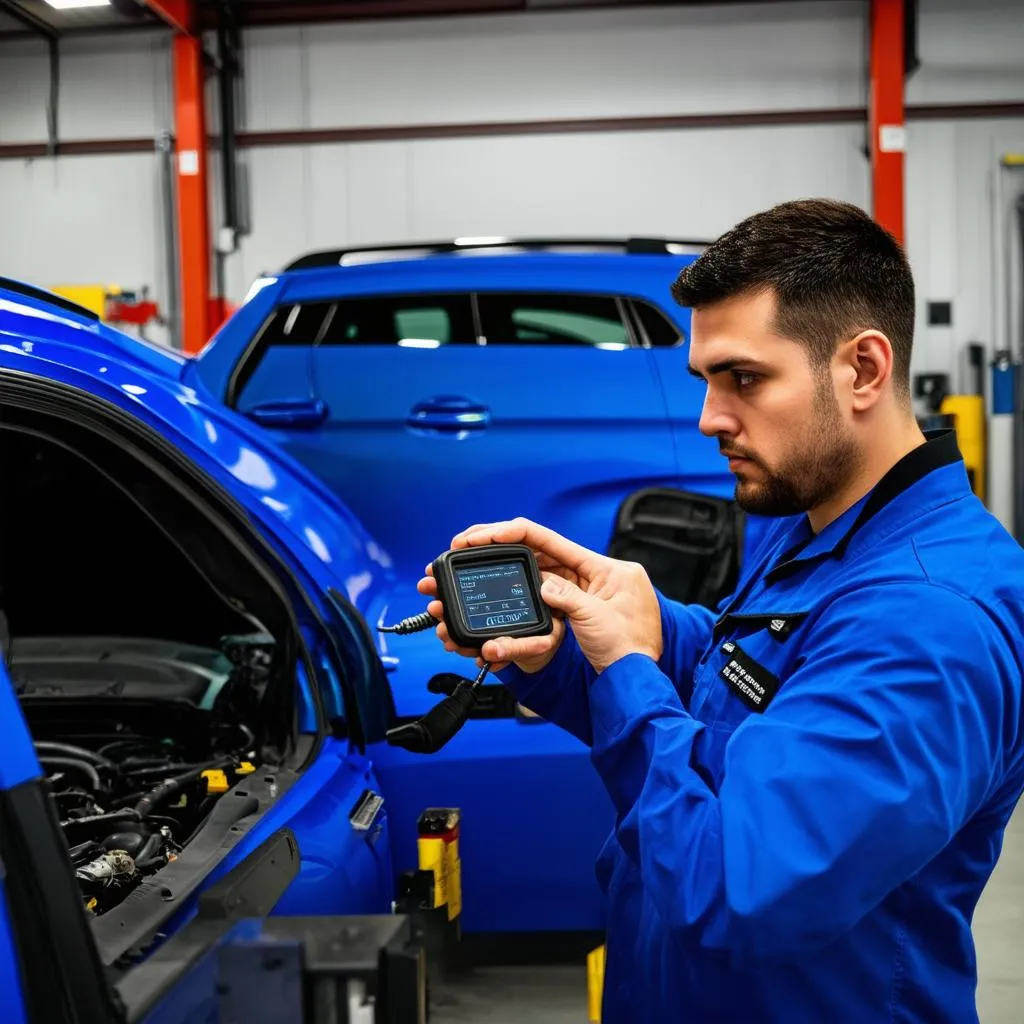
[[280, 365], [550, 319], [660, 331], [295, 324], [414, 321]]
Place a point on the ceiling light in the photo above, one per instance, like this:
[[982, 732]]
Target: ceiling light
[[66, 5]]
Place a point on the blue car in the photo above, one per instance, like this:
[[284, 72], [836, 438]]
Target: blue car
[[187, 673], [434, 386]]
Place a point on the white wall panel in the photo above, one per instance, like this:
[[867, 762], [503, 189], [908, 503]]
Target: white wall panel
[[24, 90], [87, 220], [275, 88], [683, 183], [279, 182], [970, 52], [606, 63], [90, 219], [110, 87], [113, 90]]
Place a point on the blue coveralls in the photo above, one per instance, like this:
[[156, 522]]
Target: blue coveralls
[[812, 784]]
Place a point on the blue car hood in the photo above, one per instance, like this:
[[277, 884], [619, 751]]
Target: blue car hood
[[309, 524]]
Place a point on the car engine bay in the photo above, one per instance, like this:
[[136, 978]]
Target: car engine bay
[[132, 775], [149, 654]]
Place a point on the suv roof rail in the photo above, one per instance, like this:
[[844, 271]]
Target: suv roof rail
[[409, 250], [50, 298]]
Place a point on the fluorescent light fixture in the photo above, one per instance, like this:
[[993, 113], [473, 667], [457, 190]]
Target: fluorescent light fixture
[[481, 240], [67, 5], [419, 343]]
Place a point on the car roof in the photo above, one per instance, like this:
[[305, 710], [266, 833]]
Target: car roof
[[470, 248], [607, 273]]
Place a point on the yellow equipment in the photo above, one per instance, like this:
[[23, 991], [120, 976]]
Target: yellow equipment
[[92, 296], [438, 847], [968, 412], [595, 983]]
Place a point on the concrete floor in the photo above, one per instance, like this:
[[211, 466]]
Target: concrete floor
[[558, 995]]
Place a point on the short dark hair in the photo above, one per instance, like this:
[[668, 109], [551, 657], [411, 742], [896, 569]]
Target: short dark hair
[[834, 272]]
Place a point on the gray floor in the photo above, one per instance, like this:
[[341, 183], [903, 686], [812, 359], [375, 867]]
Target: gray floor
[[558, 995]]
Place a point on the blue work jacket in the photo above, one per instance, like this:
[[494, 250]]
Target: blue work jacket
[[813, 782]]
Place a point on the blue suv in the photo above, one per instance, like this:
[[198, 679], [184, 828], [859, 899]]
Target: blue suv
[[434, 386], [431, 386]]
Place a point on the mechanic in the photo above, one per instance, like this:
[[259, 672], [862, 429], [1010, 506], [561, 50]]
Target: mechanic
[[812, 781]]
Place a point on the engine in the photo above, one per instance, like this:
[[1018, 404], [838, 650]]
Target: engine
[[128, 808], [138, 747]]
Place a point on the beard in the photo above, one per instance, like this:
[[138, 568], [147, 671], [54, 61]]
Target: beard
[[815, 469]]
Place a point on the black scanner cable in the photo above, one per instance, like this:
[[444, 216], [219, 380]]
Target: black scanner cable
[[429, 734]]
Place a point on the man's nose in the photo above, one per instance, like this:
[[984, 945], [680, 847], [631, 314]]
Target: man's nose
[[715, 418]]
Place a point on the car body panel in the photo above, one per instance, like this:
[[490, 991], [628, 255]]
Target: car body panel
[[18, 763], [12, 1003], [344, 870]]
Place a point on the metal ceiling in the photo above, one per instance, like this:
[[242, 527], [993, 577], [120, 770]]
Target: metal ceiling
[[79, 19], [133, 14]]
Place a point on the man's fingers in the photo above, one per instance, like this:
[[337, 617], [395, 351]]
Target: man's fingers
[[516, 648], [540, 538], [496, 666], [563, 595], [442, 634], [427, 586], [459, 540]]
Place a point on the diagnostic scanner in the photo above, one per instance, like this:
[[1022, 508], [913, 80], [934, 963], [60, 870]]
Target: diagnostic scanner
[[489, 592]]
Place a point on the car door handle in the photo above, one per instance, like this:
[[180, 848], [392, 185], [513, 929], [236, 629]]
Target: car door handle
[[302, 412], [448, 413]]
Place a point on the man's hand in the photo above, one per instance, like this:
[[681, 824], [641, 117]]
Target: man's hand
[[610, 604]]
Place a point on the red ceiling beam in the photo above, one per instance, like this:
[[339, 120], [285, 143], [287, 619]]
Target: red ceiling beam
[[886, 113], [179, 14]]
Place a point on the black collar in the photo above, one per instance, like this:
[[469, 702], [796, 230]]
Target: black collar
[[940, 449]]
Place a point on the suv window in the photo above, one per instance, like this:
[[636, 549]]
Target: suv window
[[279, 366], [660, 331], [415, 321], [295, 324], [390, 320], [532, 318]]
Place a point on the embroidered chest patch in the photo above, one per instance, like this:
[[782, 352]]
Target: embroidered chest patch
[[751, 682]]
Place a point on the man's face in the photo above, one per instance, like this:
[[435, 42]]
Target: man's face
[[775, 415]]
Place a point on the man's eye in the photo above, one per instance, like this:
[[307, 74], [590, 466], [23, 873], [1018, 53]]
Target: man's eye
[[745, 379]]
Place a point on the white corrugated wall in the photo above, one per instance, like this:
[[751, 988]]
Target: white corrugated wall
[[98, 218]]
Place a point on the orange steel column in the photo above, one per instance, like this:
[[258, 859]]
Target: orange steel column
[[193, 214], [885, 116]]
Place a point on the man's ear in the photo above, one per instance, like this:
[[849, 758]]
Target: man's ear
[[869, 357]]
